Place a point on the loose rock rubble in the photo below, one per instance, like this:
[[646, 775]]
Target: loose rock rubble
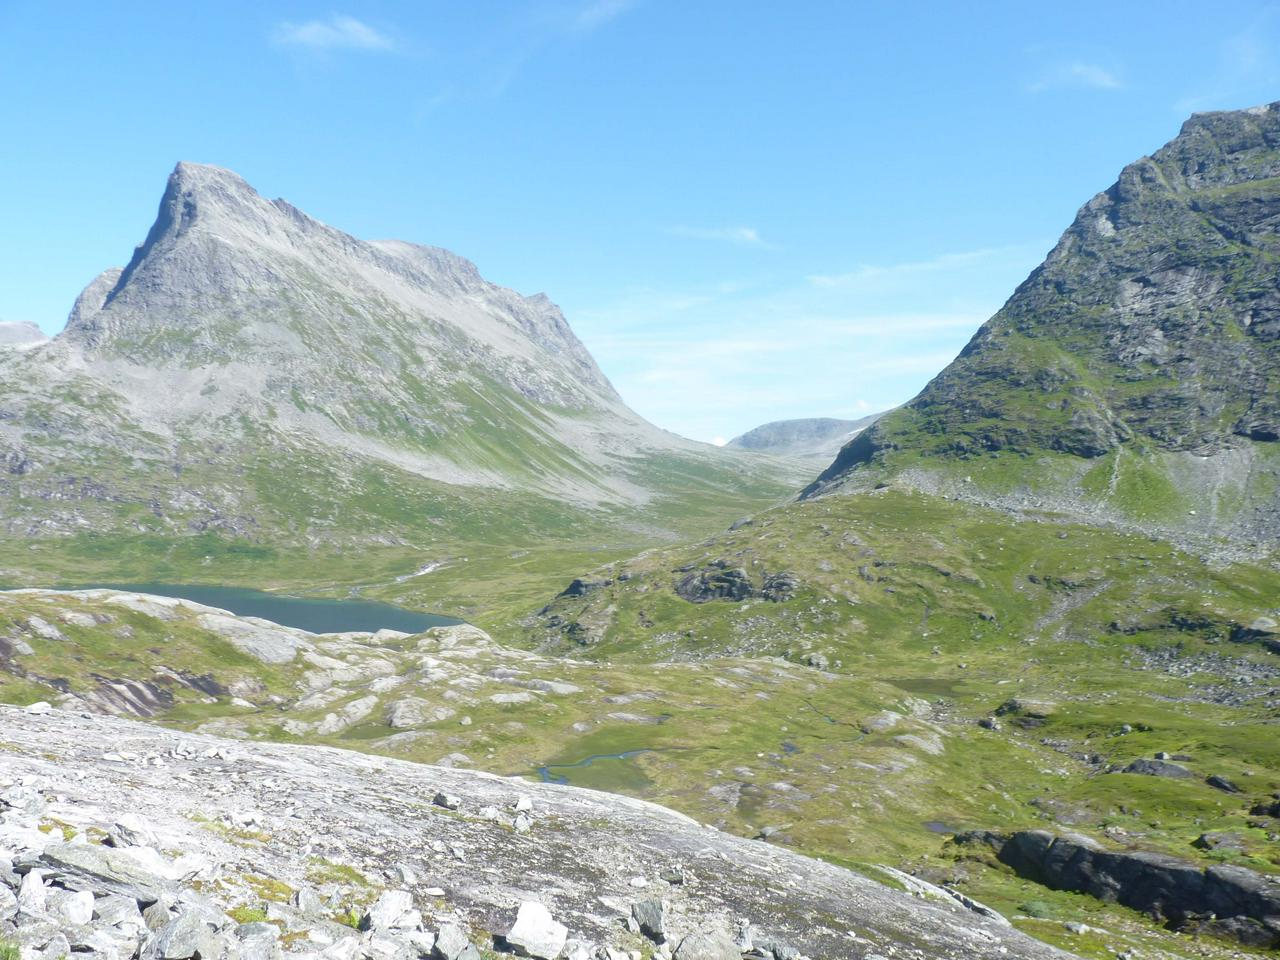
[[120, 841]]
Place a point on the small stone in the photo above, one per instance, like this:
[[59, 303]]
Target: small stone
[[450, 943], [58, 948], [39, 707], [184, 937], [131, 831], [75, 908], [8, 904], [403, 874], [258, 941], [32, 894], [708, 945], [387, 910], [524, 805], [114, 910], [307, 902], [156, 916], [447, 800]]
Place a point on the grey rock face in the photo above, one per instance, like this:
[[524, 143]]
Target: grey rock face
[[716, 584]]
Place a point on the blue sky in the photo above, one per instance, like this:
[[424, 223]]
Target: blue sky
[[748, 211]]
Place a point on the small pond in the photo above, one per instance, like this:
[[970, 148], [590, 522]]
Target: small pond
[[610, 772]]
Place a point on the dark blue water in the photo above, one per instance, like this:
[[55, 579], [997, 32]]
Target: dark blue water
[[311, 614]]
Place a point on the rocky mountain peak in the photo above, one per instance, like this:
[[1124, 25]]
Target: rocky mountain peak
[[225, 275], [1152, 328]]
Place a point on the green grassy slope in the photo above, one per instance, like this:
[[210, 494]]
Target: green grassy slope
[[860, 762]]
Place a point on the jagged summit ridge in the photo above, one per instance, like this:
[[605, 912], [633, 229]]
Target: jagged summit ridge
[[222, 260]]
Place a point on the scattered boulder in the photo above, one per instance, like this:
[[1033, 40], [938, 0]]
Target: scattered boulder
[[1266, 808], [447, 800], [580, 587], [453, 944], [650, 918], [388, 911], [131, 831], [779, 587], [1026, 713], [716, 583], [536, 933], [184, 937], [258, 941], [1219, 840], [1158, 768], [1222, 783], [708, 945]]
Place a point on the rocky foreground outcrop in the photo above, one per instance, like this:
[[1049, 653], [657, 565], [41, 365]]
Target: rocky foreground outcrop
[[1224, 900], [121, 840]]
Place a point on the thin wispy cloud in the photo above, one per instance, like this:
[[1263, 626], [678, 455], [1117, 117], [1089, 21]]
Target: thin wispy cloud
[[336, 33], [1077, 74], [517, 40], [865, 273], [742, 236], [599, 12]]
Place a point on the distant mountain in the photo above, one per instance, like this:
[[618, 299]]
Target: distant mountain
[[1134, 377], [20, 336], [811, 437], [252, 372]]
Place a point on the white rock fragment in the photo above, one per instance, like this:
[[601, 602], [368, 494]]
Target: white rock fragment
[[536, 933]]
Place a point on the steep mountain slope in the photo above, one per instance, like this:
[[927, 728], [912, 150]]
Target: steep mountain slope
[[256, 374], [813, 438], [1134, 377]]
